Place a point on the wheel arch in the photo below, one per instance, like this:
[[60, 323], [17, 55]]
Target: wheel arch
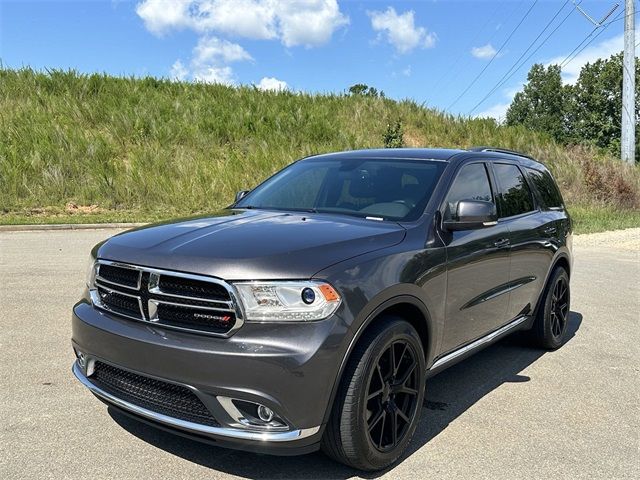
[[561, 260], [409, 308]]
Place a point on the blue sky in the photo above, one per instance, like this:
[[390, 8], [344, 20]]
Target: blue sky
[[429, 51]]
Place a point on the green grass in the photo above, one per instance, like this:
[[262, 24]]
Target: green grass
[[147, 149], [600, 219]]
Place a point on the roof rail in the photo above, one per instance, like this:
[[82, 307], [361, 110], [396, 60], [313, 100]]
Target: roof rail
[[499, 150]]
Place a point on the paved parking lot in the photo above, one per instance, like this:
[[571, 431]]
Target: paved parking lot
[[509, 412]]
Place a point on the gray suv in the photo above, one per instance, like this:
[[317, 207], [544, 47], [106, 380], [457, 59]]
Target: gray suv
[[310, 313]]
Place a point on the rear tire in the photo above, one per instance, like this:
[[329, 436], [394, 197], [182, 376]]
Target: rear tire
[[550, 326], [377, 407]]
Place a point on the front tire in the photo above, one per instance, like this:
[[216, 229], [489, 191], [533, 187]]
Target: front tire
[[378, 404], [550, 326]]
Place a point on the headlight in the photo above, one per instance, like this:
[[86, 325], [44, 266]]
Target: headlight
[[288, 301], [91, 273]]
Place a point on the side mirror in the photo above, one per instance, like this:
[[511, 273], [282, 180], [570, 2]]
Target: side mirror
[[241, 194], [471, 215]]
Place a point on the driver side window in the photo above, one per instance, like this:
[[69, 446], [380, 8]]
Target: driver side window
[[472, 183]]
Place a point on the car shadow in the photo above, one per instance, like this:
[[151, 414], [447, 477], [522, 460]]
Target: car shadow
[[448, 395]]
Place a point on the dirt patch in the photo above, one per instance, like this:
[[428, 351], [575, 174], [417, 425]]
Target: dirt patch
[[74, 208]]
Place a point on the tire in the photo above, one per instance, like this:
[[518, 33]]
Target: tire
[[370, 395], [550, 326]]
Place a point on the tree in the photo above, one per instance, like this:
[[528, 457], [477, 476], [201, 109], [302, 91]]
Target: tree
[[542, 103], [365, 90], [595, 106], [587, 112]]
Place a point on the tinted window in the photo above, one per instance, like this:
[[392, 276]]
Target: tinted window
[[514, 196], [301, 190], [548, 192], [471, 183], [387, 189]]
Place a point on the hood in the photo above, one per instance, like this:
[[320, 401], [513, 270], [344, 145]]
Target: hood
[[252, 244]]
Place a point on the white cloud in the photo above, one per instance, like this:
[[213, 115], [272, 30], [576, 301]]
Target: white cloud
[[308, 22], [497, 111], [604, 49], [211, 74], [214, 50], [270, 83], [179, 71], [242, 18], [400, 30], [209, 62], [160, 16], [485, 52], [293, 22], [407, 71]]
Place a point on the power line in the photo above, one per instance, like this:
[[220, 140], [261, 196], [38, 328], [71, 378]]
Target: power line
[[565, 61], [513, 68], [502, 82], [568, 60], [494, 56], [451, 68], [617, 18]]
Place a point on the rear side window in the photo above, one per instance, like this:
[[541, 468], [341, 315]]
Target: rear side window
[[547, 190], [514, 196], [471, 183]]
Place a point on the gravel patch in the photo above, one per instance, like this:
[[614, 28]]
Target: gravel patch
[[628, 239]]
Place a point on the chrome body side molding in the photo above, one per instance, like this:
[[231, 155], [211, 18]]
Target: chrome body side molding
[[477, 343]]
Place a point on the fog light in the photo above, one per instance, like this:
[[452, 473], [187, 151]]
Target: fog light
[[265, 413], [82, 359]]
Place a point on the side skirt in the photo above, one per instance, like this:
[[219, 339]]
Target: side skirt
[[471, 348]]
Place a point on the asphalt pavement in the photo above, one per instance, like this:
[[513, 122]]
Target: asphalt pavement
[[508, 412]]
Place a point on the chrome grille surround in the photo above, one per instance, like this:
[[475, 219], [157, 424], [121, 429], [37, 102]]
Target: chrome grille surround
[[149, 296]]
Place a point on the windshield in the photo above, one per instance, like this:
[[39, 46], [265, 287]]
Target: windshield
[[376, 188]]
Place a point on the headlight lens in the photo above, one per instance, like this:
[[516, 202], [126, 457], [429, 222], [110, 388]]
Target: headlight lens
[[288, 301], [91, 273]]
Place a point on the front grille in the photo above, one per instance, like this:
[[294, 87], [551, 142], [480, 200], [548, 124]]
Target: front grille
[[161, 397], [192, 288], [125, 277], [169, 299], [120, 303], [212, 321]]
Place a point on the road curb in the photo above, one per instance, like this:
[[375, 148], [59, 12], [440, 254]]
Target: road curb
[[67, 226]]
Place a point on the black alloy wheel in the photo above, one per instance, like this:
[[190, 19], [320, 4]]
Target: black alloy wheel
[[392, 395], [377, 406], [550, 326], [559, 311]]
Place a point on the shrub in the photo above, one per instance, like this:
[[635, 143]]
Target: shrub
[[393, 135]]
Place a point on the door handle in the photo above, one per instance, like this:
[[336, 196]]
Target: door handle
[[550, 230], [503, 242]]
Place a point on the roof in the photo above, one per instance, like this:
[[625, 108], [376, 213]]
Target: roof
[[388, 153], [441, 154]]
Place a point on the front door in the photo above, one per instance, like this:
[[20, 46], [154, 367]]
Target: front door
[[477, 266]]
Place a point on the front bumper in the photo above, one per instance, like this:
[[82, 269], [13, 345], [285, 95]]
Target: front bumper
[[288, 368]]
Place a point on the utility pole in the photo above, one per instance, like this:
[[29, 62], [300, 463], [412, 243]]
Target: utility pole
[[628, 142]]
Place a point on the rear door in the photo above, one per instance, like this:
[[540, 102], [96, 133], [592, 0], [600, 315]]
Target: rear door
[[528, 228], [477, 266]]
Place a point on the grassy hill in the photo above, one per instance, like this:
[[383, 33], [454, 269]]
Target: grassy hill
[[86, 148]]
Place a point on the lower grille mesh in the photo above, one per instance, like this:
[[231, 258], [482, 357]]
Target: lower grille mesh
[[155, 395]]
